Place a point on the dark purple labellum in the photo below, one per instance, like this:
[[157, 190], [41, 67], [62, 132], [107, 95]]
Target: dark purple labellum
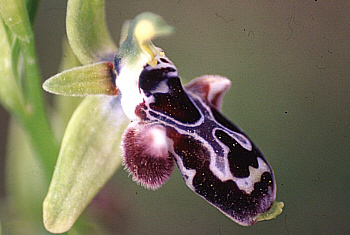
[[216, 159]]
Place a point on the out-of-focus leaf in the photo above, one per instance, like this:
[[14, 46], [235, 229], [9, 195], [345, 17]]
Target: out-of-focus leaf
[[25, 83], [10, 94], [32, 8], [15, 16], [274, 211], [94, 79], [26, 185], [90, 153], [87, 31]]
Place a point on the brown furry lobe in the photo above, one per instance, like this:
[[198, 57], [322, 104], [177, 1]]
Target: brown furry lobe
[[146, 154]]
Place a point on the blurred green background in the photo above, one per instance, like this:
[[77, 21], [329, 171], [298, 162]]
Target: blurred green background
[[289, 62]]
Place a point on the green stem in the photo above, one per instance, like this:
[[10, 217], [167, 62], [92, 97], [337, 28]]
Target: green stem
[[32, 112], [35, 120]]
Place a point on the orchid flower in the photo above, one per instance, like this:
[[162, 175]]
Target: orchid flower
[[136, 111]]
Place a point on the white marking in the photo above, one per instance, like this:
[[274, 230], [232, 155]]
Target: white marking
[[247, 184], [173, 74], [224, 173], [216, 161], [157, 141], [149, 100], [162, 64], [244, 184], [128, 84], [240, 138], [162, 87]]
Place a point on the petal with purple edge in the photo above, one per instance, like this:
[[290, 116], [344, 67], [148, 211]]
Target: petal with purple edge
[[211, 88]]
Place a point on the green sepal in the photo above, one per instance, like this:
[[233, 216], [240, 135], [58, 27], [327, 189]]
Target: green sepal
[[94, 79], [87, 31], [90, 153], [275, 210], [64, 106]]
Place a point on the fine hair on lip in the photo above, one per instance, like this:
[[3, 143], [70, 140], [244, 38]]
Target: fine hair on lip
[[146, 154]]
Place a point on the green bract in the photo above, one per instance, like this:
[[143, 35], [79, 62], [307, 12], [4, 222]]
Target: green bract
[[90, 150]]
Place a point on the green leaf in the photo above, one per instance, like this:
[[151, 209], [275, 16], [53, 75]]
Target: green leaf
[[89, 155], [23, 93], [94, 79], [87, 31], [26, 183]]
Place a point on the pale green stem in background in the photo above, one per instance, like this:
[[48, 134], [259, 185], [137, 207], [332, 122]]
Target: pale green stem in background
[[33, 116]]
